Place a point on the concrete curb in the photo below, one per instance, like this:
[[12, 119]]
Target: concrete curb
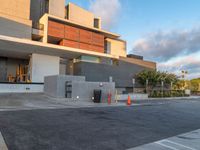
[[2, 143], [167, 98], [175, 98]]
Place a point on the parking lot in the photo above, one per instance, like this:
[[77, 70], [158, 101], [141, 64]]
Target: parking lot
[[97, 128]]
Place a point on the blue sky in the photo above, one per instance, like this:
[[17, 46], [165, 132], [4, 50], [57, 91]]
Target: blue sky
[[165, 31]]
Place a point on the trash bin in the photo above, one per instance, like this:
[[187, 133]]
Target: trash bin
[[97, 96]]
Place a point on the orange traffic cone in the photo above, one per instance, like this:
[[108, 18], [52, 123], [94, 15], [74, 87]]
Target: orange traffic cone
[[129, 100]]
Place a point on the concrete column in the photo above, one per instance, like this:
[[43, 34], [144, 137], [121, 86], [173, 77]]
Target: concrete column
[[43, 65]]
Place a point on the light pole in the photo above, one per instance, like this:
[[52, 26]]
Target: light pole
[[147, 82], [184, 73], [171, 88], [162, 84], [133, 84]]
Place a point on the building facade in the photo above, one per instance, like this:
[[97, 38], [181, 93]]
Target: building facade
[[39, 38]]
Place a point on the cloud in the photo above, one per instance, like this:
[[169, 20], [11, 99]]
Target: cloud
[[108, 10], [190, 63], [163, 46]]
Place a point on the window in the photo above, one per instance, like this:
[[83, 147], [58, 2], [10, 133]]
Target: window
[[107, 47], [96, 22], [44, 7]]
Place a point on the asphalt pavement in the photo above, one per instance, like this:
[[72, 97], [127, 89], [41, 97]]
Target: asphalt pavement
[[98, 128]]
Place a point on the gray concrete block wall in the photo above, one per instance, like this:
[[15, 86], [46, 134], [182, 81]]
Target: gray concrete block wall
[[81, 90], [122, 74], [14, 29], [62, 79], [50, 86], [55, 85], [85, 90]]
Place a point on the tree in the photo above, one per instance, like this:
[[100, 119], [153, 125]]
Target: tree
[[155, 77], [195, 83]]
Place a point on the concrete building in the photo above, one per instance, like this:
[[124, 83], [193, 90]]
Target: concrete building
[[41, 38]]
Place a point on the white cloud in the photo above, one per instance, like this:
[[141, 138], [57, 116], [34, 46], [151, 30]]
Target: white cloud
[[108, 10], [173, 50], [162, 46], [190, 63]]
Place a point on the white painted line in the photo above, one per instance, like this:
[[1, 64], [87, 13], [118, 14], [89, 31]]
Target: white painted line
[[180, 145], [2, 143], [186, 141], [167, 146]]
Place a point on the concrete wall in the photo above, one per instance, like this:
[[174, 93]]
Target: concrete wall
[[85, 90], [80, 15], [81, 90], [15, 18], [118, 48], [14, 29], [21, 88], [57, 8], [122, 73], [43, 65], [55, 85], [17, 8], [134, 97]]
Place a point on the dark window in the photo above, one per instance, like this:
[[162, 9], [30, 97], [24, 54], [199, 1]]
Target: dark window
[[107, 47], [67, 12], [44, 7], [96, 22]]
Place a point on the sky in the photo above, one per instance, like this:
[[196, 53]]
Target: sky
[[164, 31]]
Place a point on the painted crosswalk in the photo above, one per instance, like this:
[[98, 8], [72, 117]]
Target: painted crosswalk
[[187, 141]]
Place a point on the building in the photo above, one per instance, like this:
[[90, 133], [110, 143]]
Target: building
[[39, 38]]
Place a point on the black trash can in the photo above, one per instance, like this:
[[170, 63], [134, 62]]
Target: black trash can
[[97, 96]]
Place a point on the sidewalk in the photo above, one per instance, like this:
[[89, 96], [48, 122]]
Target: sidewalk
[[187, 141], [174, 98]]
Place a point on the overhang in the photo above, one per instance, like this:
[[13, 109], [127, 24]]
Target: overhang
[[15, 47]]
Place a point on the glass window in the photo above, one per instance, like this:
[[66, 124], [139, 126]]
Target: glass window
[[108, 47]]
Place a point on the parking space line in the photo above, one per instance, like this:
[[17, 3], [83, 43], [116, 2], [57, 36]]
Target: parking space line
[[173, 145], [180, 145], [167, 146], [2, 143]]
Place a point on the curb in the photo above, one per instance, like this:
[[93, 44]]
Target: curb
[[2, 143]]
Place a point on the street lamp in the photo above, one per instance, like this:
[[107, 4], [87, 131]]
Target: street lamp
[[162, 85], [147, 82], [133, 80], [184, 73], [171, 88]]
